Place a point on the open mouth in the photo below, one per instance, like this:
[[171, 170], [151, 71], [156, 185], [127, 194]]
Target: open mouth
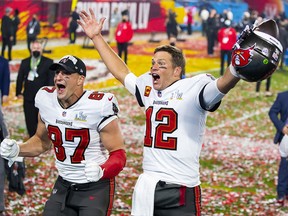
[[60, 87], [155, 77]]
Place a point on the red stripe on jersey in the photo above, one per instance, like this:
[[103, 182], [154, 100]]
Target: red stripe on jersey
[[111, 196], [182, 197], [197, 192]]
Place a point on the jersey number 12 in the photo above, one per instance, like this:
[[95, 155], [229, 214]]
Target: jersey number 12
[[163, 127]]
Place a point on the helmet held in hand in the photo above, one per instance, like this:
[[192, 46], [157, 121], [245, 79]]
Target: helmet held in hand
[[257, 52]]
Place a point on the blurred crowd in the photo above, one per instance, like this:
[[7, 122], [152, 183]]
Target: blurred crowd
[[212, 22]]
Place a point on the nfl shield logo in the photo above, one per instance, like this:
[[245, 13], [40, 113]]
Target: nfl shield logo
[[64, 113]]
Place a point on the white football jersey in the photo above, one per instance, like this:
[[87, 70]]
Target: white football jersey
[[175, 125], [74, 131]]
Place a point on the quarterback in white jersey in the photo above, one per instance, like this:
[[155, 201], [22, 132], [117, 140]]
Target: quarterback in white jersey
[[83, 128], [176, 111]]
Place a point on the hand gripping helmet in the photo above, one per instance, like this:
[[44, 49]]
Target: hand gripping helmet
[[257, 52]]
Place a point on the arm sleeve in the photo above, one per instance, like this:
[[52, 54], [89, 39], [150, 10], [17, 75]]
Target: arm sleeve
[[211, 95], [115, 164]]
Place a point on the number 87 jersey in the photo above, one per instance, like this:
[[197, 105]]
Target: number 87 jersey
[[75, 131], [175, 125]]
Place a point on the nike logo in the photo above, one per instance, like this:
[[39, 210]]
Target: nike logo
[[110, 98]]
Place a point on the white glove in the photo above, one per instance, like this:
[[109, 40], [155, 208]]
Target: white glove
[[9, 150], [93, 171]]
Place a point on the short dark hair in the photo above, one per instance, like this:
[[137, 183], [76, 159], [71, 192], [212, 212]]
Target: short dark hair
[[178, 59]]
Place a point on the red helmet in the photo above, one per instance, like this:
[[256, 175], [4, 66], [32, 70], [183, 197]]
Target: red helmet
[[257, 52]]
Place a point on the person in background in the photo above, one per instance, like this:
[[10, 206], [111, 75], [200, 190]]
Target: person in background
[[33, 74], [126, 12], [5, 87], [16, 22], [244, 22], [283, 32], [211, 31], [171, 24], [73, 25], [268, 93], [225, 15], [7, 33], [83, 128], [189, 21], [267, 87], [114, 20], [32, 30], [278, 114], [227, 37], [123, 35], [204, 14]]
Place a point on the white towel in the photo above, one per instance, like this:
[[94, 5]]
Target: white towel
[[143, 195]]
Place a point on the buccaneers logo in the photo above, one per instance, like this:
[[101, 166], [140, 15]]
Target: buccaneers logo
[[242, 57]]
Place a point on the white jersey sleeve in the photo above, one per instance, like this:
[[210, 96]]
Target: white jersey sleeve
[[130, 83], [211, 95], [110, 110]]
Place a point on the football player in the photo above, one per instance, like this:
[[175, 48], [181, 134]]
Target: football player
[[83, 129], [176, 111]]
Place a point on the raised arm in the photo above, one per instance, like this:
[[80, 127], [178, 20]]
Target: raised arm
[[93, 29]]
